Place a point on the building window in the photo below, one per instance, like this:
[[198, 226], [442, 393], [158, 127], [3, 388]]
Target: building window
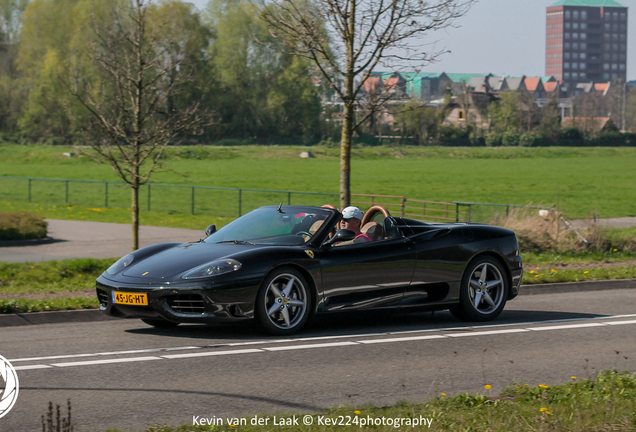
[[621, 67], [581, 75], [583, 45], [575, 56], [615, 16], [623, 47], [583, 26], [566, 65], [606, 66], [623, 37], [460, 114], [615, 37], [606, 56], [583, 35], [608, 27], [575, 26], [575, 75], [583, 55], [567, 45], [568, 26], [614, 56], [581, 65], [623, 16], [566, 56], [606, 76], [575, 14], [568, 15], [575, 35], [614, 66], [623, 57], [614, 76], [567, 35], [607, 47], [575, 45], [607, 37], [583, 15], [575, 65], [566, 75]]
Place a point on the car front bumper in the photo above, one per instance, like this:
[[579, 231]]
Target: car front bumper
[[187, 303]]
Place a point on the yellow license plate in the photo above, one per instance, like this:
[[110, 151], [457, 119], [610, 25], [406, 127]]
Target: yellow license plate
[[137, 299]]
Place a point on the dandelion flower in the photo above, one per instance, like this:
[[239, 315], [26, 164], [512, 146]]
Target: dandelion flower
[[553, 271], [545, 410], [586, 272], [531, 271], [487, 386], [573, 377], [615, 250], [536, 275], [358, 412], [443, 394], [543, 386]]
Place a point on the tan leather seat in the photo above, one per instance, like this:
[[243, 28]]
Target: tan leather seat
[[315, 227], [373, 230]]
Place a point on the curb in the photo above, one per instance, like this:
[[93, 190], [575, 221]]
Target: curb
[[566, 287], [53, 317], [31, 242], [91, 315]]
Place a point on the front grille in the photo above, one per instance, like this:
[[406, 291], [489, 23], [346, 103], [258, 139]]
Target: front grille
[[103, 297], [186, 303]]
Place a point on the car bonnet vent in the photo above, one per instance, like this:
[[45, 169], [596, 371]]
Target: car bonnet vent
[[102, 296]]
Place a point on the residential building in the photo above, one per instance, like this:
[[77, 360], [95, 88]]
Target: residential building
[[586, 40]]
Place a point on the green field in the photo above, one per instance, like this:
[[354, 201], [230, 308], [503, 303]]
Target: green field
[[579, 181]]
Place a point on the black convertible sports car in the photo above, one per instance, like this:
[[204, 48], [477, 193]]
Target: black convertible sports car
[[281, 264]]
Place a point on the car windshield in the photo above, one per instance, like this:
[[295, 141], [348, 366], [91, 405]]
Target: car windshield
[[289, 225]]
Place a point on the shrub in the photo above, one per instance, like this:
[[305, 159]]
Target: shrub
[[22, 226], [534, 139], [493, 139], [510, 138]]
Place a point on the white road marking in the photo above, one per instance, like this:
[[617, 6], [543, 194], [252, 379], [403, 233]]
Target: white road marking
[[445, 333], [565, 327], [32, 367], [297, 347], [489, 332], [96, 362], [402, 339], [211, 353]]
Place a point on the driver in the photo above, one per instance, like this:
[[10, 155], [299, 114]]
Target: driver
[[352, 219]]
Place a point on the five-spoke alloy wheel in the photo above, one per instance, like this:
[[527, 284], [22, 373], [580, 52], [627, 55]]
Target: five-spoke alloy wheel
[[283, 303], [483, 292]]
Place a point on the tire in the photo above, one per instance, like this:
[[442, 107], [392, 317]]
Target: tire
[[159, 323], [475, 302], [283, 302]]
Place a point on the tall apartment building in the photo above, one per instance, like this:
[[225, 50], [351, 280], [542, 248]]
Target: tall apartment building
[[586, 40]]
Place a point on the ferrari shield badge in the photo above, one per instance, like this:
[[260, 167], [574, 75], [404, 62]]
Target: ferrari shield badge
[[310, 253]]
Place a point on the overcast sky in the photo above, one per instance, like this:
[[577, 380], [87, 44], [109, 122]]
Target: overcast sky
[[504, 37]]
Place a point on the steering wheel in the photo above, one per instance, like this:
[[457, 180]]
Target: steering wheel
[[368, 216], [299, 233]]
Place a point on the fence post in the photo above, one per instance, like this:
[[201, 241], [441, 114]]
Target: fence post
[[240, 200], [192, 199], [105, 194], [456, 212], [403, 203], [148, 196], [29, 189], [66, 195]]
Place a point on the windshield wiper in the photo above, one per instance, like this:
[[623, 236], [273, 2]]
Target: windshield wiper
[[236, 242]]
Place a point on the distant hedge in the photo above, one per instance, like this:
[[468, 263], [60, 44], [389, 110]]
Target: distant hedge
[[22, 226], [567, 138]]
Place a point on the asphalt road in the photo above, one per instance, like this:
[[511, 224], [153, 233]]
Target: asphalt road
[[127, 375]]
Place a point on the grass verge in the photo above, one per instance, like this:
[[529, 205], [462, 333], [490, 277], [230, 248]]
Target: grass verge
[[606, 403]]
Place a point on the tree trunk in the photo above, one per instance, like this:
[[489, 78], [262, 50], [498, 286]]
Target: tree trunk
[[345, 156], [347, 124], [135, 215]]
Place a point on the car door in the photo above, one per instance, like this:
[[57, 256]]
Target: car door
[[366, 275]]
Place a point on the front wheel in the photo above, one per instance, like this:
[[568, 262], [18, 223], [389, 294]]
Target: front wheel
[[483, 291], [283, 302]]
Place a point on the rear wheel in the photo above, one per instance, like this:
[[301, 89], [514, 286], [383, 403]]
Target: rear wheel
[[283, 302], [483, 292], [160, 323]]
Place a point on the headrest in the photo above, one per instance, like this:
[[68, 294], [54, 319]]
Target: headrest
[[373, 229]]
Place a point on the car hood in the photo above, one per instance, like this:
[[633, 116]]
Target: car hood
[[181, 258]]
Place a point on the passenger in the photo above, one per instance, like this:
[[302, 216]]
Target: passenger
[[352, 219]]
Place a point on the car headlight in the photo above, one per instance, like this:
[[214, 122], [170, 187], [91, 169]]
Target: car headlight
[[213, 268], [120, 264]]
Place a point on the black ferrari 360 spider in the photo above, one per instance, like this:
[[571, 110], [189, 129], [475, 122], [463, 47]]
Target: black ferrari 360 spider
[[281, 264]]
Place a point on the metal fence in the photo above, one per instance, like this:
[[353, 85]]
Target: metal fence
[[231, 202]]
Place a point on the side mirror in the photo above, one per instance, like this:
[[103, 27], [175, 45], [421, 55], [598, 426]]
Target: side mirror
[[340, 236], [210, 230]]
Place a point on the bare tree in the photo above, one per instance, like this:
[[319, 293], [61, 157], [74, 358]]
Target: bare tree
[[348, 39], [129, 84]]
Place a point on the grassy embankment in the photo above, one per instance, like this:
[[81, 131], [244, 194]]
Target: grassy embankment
[[579, 180], [606, 403]]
